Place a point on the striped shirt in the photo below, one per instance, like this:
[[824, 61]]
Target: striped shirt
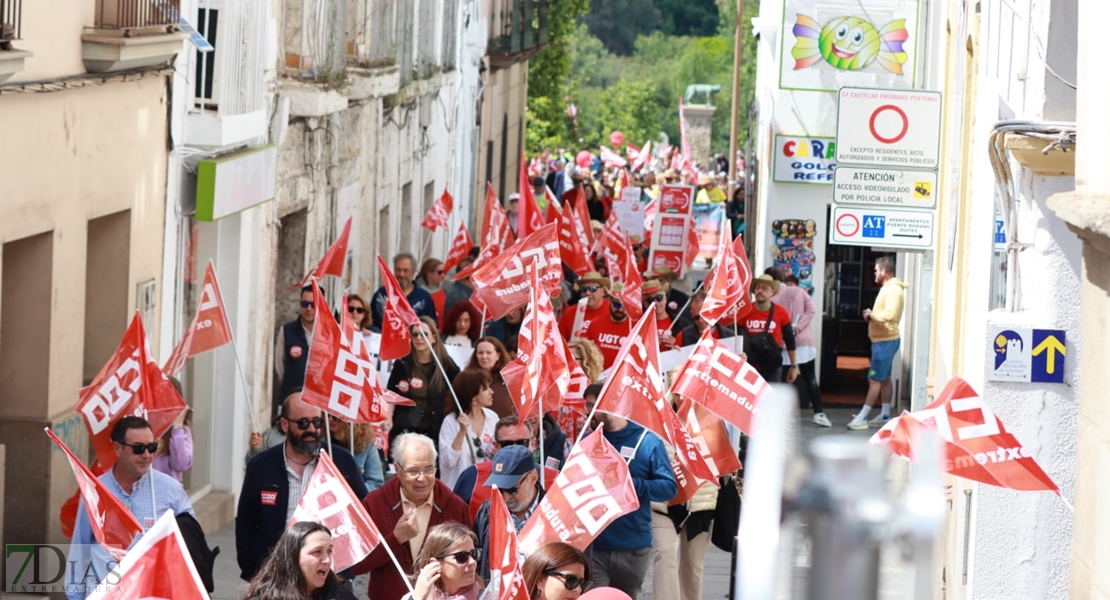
[[297, 483]]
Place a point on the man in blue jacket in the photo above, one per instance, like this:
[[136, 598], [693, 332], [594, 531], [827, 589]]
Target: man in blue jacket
[[622, 551], [276, 480]]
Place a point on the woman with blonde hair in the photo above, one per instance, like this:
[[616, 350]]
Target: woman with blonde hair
[[367, 459], [447, 566], [556, 571], [589, 358]]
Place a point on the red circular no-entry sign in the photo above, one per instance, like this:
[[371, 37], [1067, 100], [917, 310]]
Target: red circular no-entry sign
[[901, 133], [847, 225]]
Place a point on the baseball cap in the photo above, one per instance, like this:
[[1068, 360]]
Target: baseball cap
[[509, 464]]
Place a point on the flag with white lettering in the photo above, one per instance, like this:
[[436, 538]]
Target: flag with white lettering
[[506, 578], [129, 384], [711, 439], [720, 380], [438, 213], [593, 489], [496, 234], [340, 378], [529, 217], [572, 241], [502, 284], [460, 248], [209, 330], [112, 524], [159, 566], [329, 501], [538, 378], [612, 242], [397, 317], [978, 446], [632, 283], [333, 261], [727, 286]]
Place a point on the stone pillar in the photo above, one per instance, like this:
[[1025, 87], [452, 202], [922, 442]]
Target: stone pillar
[[699, 131]]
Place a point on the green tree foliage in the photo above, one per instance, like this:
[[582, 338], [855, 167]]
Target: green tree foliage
[[549, 77], [696, 18], [617, 23]]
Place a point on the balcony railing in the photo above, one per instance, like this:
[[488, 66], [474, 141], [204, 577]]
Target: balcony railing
[[11, 14], [520, 30], [136, 14]]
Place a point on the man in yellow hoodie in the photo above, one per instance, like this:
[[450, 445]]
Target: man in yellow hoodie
[[883, 330]]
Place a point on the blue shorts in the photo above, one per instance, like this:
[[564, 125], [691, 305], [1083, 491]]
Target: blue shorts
[[882, 359]]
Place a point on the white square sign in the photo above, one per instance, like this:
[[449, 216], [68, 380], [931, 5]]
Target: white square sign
[[888, 128]]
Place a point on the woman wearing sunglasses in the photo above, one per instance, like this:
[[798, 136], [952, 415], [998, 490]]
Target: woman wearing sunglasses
[[447, 566], [299, 567], [468, 438], [556, 571], [359, 311], [418, 378]]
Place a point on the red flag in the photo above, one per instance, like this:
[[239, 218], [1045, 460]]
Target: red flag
[[628, 275], [593, 489], [159, 566], [727, 287], [572, 248], [691, 242], [209, 330], [612, 243], [398, 317], [529, 218], [608, 156], [334, 259], [634, 391], [539, 375], [460, 248], [437, 214], [502, 283], [553, 211], [583, 212], [978, 446], [641, 157], [506, 578], [113, 525], [340, 378], [649, 218], [496, 234], [718, 379], [129, 384], [708, 433], [329, 500]]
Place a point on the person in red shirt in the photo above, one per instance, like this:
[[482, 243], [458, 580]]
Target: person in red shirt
[[655, 298], [692, 332], [591, 307], [609, 333], [773, 318]]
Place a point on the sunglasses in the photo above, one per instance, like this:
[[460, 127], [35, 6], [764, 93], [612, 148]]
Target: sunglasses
[[138, 448], [507, 443], [617, 304], [356, 309], [658, 298], [478, 451], [570, 580], [589, 289], [463, 556], [304, 422], [308, 304]]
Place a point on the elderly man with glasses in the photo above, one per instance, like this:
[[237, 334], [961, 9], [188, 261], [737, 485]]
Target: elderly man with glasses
[[405, 509], [146, 492], [517, 480], [276, 479]]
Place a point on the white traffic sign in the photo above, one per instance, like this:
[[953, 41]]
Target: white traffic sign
[[885, 187], [882, 227], [891, 128]]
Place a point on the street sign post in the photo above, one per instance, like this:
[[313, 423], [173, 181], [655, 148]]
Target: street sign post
[[888, 128], [885, 187], [883, 227]]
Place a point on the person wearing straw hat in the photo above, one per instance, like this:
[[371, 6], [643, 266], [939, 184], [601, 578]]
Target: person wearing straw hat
[[676, 299], [591, 307], [654, 293], [609, 332], [769, 329]]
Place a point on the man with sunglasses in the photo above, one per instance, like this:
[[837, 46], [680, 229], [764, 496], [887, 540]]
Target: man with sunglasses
[[590, 307], [509, 432], [146, 492], [291, 345], [609, 332], [517, 480], [276, 479], [655, 298]]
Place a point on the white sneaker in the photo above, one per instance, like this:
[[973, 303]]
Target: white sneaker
[[857, 424], [879, 420], [821, 420]]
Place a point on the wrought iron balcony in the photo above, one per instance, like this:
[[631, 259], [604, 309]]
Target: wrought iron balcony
[[129, 15], [520, 31]]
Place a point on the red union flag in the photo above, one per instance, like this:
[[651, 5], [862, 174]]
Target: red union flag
[[397, 318], [572, 241], [718, 379], [129, 384], [727, 286], [593, 489], [529, 219], [502, 284], [329, 501], [538, 377], [159, 566], [437, 214], [641, 157], [113, 526], [460, 248], [708, 434], [978, 447], [340, 377], [496, 234], [612, 243], [632, 282], [334, 259], [209, 330], [506, 578]]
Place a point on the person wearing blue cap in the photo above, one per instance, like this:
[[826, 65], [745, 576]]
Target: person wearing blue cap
[[517, 480]]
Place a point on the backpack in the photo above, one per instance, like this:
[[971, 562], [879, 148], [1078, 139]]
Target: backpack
[[762, 349], [204, 559]]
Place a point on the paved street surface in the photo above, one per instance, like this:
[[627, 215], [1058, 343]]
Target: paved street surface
[[718, 563]]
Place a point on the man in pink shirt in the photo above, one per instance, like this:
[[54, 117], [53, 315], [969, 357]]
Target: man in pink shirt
[[800, 305]]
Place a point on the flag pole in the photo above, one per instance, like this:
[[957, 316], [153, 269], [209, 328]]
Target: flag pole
[[351, 432], [637, 446], [688, 301], [327, 428], [543, 478], [450, 387], [243, 381]]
